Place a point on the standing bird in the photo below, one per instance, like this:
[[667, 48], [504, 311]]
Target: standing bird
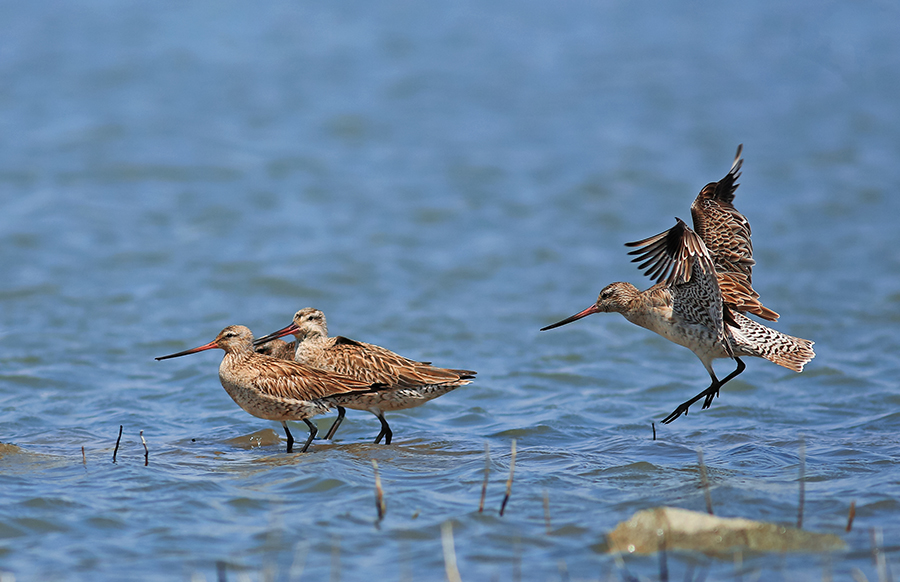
[[409, 383], [702, 291], [275, 389]]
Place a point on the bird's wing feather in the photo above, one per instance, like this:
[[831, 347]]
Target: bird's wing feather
[[678, 258], [377, 364], [726, 233], [288, 379], [670, 256]]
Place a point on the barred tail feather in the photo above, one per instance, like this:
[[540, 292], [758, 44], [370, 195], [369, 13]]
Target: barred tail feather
[[755, 339]]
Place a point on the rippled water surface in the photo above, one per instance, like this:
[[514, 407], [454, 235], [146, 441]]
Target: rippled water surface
[[444, 180]]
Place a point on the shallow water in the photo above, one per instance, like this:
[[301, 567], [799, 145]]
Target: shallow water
[[443, 181]]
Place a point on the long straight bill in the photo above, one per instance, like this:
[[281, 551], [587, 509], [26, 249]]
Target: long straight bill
[[292, 328], [590, 310], [210, 346]]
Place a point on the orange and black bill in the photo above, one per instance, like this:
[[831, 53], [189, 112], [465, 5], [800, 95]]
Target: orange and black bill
[[292, 328], [589, 311], [210, 346]]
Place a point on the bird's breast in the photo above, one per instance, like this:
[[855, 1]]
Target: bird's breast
[[664, 321]]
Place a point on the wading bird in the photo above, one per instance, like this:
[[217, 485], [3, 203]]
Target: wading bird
[[702, 291], [275, 389], [408, 383]]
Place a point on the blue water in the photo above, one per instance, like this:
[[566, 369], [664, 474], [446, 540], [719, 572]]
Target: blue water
[[442, 180]]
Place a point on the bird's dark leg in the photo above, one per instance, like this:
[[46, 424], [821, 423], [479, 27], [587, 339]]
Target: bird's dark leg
[[290, 437], [738, 370], [337, 422], [709, 393], [312, 434], [385, 430], [683, 407]]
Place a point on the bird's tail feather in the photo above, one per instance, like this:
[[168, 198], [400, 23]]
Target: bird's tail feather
[[750, 338]]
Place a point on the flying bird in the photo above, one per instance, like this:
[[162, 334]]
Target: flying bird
[[703, 291]]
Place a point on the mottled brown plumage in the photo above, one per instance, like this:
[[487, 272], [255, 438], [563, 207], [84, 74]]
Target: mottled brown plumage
[[411, 383], [703, 287], [277, 349], [726, 234], [275, 389]]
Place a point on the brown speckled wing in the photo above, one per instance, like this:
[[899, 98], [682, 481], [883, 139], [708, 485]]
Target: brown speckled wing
[[678, 258], [726, 233], [288, 379], [373, 363], [670, 256], [277, 349]]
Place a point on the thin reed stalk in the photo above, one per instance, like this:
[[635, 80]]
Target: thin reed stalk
[[146, 450], [663, 558], [487, 472], [379, 494], [547, 523], [119, 438], [512, 470], [850, 515], [802, 480], [878, 555], [335, 559], [301, 550], [704, 479], [449, 552]]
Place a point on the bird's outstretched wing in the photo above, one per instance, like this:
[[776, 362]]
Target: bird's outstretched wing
[[726, 233], [679, 258], [670, 256]]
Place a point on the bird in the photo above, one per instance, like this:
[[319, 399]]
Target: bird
[[409, 383], [276, 389], [703, 291], [277, 349]]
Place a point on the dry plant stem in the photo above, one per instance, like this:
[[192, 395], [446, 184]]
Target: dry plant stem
[[705, 481], [850, 515], [512, 470], [547, 511], [405, 560], [83, 456], [653, 426], [335, 559], [487, 471], [663, 562], [826, 569], [146, 451], [623, 569], [563, 571], [301, 549], [116, 450], [379, 494], [878, 554], [449, 553], [517, 560], [802, 482]]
